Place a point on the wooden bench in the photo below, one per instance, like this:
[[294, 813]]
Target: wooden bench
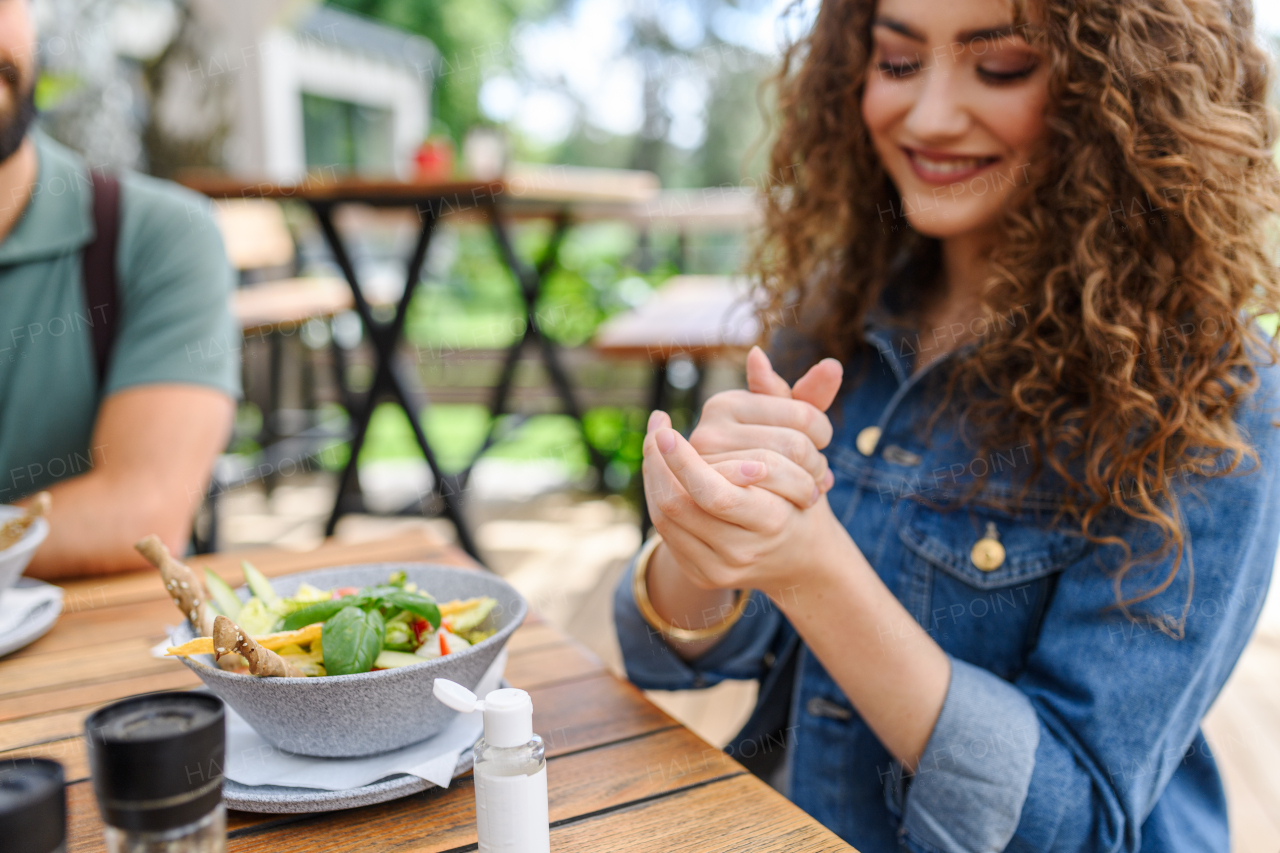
[[283, 306]]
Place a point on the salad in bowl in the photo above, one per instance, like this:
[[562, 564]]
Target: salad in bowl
[[341, 661], [339, 631]]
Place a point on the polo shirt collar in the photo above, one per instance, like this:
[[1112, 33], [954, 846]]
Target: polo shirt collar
[[57, 219]]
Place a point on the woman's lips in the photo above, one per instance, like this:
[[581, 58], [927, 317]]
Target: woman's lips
[[943, 169]]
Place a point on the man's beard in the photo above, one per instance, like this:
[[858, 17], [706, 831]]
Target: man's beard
[[14, 130]]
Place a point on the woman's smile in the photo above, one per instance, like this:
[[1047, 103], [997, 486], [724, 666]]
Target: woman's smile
[[941, 168]]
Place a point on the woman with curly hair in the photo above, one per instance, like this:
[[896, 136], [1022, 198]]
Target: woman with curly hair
[[991, 597]]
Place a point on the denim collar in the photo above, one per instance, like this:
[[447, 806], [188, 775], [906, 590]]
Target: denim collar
[[899, 343]]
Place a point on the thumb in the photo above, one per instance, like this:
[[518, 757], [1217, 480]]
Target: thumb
[[818, 387], [761, 378]]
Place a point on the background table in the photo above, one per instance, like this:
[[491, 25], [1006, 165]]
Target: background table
[[562, 194], [622, 775]]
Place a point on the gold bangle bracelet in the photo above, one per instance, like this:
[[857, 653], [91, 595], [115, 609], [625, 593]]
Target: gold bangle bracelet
[[640, 590]]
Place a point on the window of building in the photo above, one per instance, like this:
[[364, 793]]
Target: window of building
[[351, 138]]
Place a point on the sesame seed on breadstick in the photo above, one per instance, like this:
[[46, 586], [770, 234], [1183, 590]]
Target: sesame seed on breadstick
[[229, 638], [184, 586]]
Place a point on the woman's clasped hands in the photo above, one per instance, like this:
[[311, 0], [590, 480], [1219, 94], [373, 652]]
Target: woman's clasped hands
[[742, 504]]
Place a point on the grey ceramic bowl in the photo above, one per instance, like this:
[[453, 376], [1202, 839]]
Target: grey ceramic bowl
[[14, 559], [342, 716]]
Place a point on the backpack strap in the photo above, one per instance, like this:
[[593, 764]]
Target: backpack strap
[[101, 290]]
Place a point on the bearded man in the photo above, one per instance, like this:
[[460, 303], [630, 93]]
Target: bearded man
[[118, 353]]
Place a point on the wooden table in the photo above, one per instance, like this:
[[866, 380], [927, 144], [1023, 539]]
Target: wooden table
[[622, 775]]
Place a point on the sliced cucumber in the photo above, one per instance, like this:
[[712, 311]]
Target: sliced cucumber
[[223, 595], [388, 659], [258, 583], [471, 618]]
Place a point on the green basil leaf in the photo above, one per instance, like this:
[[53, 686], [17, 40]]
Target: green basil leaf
[[312, 613], [418, 605], [351, 639]]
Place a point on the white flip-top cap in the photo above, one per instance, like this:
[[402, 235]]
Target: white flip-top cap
[[454, 695], [508, 717], [508, 712]]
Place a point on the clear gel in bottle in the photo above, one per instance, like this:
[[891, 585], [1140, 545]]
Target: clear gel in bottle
[[510, 770]]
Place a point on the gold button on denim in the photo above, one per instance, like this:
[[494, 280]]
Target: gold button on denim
[[900, 456], [987, 553], [867, 440]]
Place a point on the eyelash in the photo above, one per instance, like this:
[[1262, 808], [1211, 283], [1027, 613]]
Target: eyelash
[[897, 70], [1007, 76]]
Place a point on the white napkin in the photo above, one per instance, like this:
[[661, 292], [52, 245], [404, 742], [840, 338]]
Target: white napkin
[[251, 760], [17, 603]]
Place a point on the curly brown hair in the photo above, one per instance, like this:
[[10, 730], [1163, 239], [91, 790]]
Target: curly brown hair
[[1139, 252]]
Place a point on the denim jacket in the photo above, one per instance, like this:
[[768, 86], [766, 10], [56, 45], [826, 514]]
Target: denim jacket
[[1067, 726]]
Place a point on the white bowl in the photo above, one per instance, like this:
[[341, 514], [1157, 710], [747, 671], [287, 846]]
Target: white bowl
[[14, 559]]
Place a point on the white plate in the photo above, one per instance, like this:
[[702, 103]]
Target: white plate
[[281, 799], [276, 799], [35, 626]]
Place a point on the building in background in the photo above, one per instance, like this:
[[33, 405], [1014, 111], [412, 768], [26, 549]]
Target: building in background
[[321, 88], [260, 88]]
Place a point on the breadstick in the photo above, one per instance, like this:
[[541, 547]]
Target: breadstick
[[229, 639], [300, 637], [184, 586], [11, 531]]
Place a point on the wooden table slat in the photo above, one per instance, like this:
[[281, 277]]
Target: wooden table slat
[[727, 816], [124, 659], [64, 699]]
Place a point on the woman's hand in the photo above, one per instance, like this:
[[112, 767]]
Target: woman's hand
[[791, 422], [734, 523], [780, 427]]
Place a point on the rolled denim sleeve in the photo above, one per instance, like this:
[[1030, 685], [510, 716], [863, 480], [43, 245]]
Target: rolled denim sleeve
[[653, 665], [972, 779]]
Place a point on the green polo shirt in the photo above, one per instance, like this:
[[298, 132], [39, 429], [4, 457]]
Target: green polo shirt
[[173, 323]]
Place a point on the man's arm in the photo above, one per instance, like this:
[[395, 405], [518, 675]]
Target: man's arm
[[154, 450]]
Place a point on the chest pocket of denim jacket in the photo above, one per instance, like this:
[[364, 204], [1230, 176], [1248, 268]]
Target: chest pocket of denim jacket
[[990, 618], [946, 539]]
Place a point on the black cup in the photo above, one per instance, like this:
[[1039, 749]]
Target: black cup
[[33, 806], [157, 759]]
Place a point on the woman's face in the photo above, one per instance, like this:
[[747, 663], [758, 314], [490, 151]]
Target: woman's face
[[954, 101]]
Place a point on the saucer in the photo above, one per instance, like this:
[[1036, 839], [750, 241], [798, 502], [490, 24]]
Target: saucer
[[34, 624]]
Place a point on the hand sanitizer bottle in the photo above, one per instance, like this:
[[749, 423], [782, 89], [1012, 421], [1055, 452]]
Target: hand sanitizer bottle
[[510, 770]]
